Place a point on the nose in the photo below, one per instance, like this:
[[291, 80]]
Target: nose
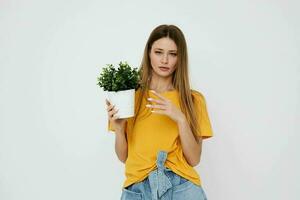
[[165, 59]]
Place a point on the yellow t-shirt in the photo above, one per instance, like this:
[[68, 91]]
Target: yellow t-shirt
[[159, 132]]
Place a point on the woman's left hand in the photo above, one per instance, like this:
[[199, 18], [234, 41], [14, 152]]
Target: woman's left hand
[[165, 107]]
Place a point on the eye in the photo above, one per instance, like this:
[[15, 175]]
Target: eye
[[157, 52], [173, 54]]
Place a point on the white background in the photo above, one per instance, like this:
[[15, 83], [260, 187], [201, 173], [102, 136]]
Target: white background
[[244, 58]]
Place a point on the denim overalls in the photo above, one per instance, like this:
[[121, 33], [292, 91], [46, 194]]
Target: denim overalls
[[163, 184]]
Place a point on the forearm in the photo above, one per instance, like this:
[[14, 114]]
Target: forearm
[[191, 148], [121, 145]]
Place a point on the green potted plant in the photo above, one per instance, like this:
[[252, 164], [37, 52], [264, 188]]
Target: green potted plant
[[119, 85]]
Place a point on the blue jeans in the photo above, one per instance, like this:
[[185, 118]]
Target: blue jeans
[[163, 184]]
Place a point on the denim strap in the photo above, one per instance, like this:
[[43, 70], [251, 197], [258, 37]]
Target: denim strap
[[159, 182]]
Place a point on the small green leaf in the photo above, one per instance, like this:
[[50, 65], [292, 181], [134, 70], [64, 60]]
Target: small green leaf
[[122, 78]]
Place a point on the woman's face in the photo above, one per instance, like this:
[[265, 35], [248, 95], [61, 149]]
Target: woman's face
[[163, 56]]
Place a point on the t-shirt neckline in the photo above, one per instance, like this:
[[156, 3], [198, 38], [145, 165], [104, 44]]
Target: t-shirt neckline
[[165, 92]]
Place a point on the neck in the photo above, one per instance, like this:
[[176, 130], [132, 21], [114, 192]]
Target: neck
[[161, 84]]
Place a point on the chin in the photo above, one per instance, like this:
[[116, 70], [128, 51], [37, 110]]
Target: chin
[[163, 74]]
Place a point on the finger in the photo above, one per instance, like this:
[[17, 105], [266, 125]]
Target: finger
[[115, 117], [107, 102], [156, 106], [161, 112], [113, 112], [157, 101], [110, 115], [110, 107], [160, 96]]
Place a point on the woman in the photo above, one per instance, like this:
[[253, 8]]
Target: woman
[[162, 143]]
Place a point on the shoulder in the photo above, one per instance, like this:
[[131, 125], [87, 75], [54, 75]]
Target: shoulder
[[197, 95], [138, 92]]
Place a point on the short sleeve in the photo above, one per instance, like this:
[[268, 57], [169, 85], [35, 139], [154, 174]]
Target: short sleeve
[[111, 129], [205, 129]]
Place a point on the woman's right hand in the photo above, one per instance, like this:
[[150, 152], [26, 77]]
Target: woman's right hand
[[117, 124]]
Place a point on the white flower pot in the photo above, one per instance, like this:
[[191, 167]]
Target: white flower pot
[[124, 101]]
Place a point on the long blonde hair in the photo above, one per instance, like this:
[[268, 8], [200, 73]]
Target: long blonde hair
[[180, 78]]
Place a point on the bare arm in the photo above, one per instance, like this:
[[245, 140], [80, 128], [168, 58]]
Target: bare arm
[[121, 145], [119, 126], [191, 148]]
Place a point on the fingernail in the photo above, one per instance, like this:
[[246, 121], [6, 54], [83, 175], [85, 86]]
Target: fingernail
[[150, 99], [148, 105]]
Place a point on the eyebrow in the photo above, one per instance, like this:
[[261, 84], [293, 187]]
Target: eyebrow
[[162, 49]]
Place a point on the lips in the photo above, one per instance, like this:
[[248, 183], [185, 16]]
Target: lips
[[164, 68]]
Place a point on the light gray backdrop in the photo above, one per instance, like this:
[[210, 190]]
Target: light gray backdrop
[[244, 58]]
